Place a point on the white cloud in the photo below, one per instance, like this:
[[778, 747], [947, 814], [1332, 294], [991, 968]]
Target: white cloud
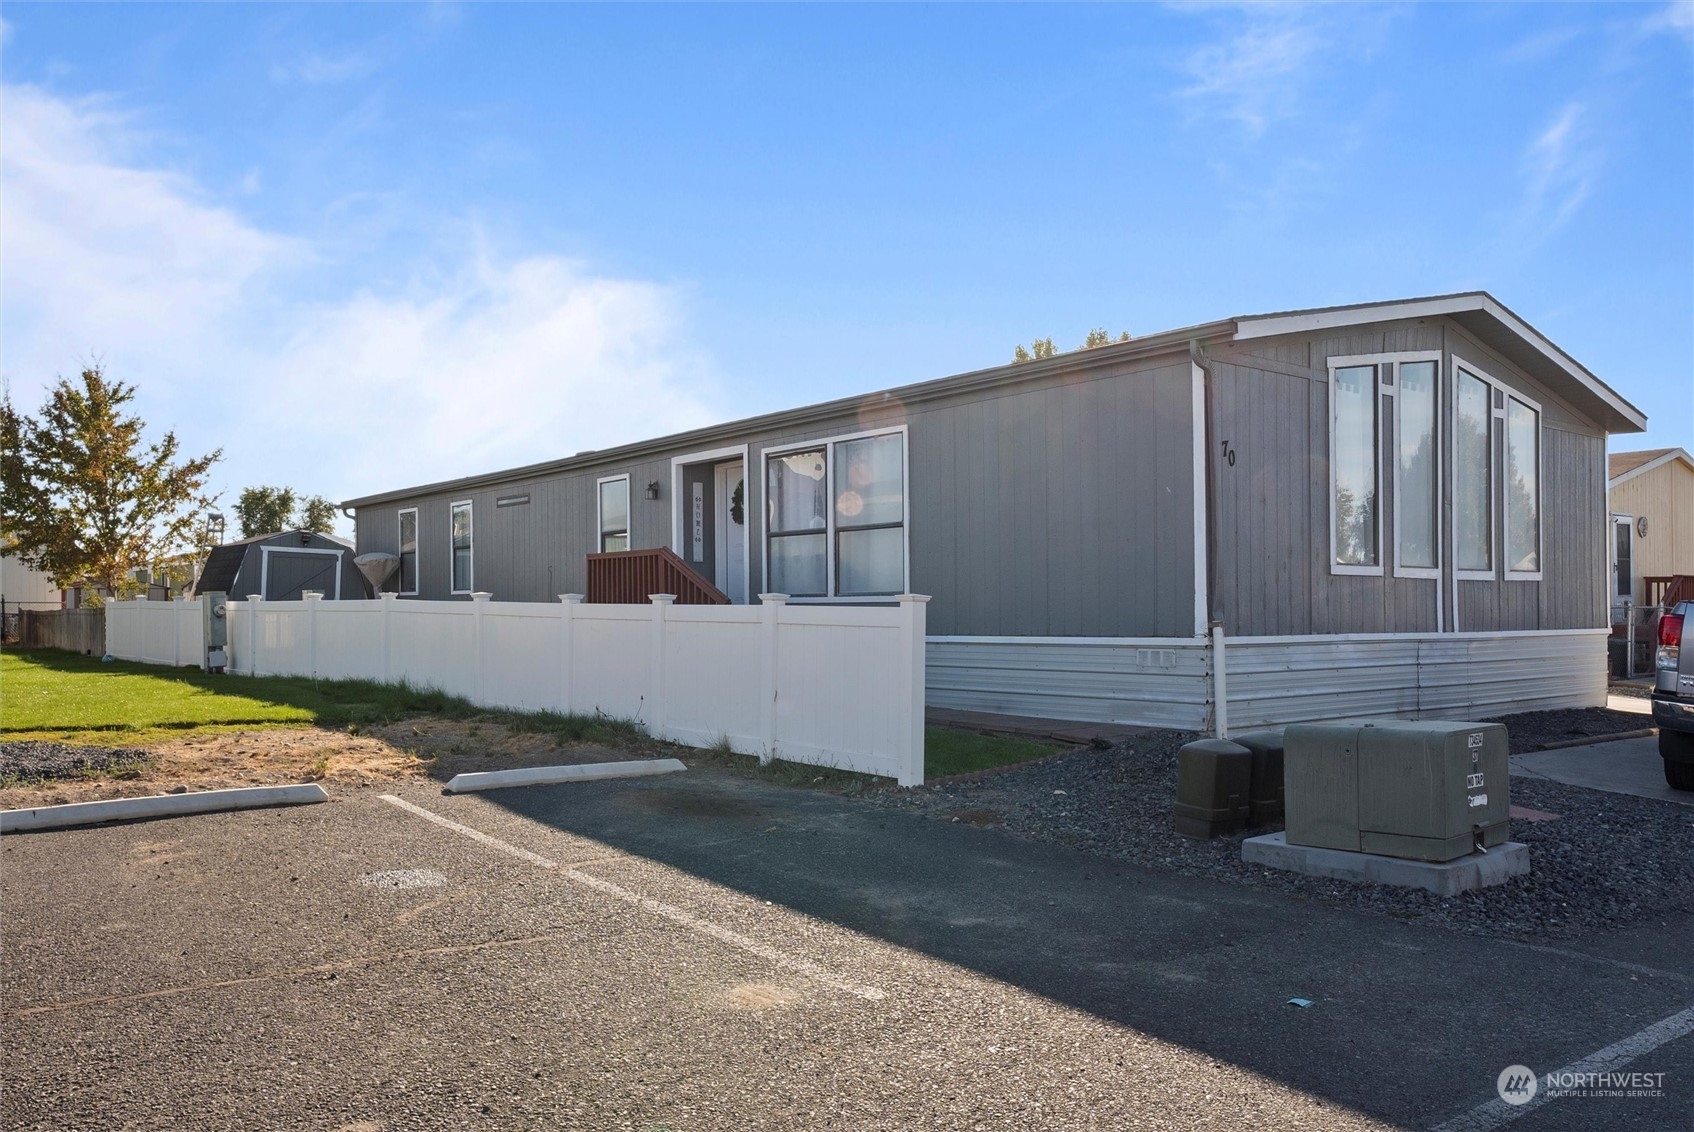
[[253, 340], [1677, 16], [1560, 163], [1255, 74], [317, 69], [1541, 45]]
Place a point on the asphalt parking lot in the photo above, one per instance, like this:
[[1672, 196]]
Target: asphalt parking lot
[[702, 951]]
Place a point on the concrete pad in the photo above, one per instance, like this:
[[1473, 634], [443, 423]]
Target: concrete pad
[[1630, 766], [160, 806], [546, 775], [1634, 705], [1444, 878]]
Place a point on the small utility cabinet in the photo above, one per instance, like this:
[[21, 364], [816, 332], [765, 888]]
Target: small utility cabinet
[[1427, 791]]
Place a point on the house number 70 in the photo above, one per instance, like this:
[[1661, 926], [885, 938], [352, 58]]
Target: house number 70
[[1229, 453]]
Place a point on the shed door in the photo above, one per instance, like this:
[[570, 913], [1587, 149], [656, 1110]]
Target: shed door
[[290, 572]]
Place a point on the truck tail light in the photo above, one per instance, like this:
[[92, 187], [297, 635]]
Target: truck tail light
[[1670, 640]]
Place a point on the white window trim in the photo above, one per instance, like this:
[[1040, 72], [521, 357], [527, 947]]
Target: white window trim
[[1494, 549], [600, 520], [400, 544], [452, 507], [1402, 571], [826, 442], [1540, 495], [1339, 363], [1612, 595], [265, 553], [748, 504]]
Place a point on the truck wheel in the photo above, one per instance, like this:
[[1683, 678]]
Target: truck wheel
[[1676, 746], [1679, 776]]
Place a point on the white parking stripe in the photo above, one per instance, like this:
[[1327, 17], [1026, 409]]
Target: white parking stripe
[[1497, 1113], [676, 915]]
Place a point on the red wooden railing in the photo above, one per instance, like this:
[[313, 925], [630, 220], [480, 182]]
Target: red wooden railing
[[629, 577], [1668, 589]]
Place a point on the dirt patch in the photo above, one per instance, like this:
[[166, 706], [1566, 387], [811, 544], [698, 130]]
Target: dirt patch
[[423, 748]]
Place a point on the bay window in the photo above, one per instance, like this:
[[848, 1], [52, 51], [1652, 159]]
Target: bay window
[[1355, 470]]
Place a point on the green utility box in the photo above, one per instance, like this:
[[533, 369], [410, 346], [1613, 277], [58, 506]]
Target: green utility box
[[1427, 791], [1265, 795], [1212, 781]]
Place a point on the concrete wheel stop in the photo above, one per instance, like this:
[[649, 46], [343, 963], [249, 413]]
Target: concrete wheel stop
[[549, 775], [1444, 878], [160, 806]]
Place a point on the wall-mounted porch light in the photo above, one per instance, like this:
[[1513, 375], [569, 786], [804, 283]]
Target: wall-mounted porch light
[[653, 490]]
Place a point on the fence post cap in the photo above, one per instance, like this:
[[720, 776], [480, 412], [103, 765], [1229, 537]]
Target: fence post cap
[[914, 597], [571, 599], [482, 595], [255, 597], [661, 599], [311, 595], [772, 599], [387, 595]]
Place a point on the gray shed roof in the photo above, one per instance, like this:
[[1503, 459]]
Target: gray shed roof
[[1477, 311]]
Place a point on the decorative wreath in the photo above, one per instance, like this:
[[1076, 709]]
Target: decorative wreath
[[738, 503]]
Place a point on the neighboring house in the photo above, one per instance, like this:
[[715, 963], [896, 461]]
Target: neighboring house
[[25, 586], [1651, 497], [281, 567], [1390, 508]]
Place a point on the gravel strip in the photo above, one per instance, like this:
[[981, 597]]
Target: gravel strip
[[31, 759], [1533, 730], [1633, 691], [1609, 860]]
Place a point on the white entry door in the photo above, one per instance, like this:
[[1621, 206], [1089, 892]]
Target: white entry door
[[731, 535]]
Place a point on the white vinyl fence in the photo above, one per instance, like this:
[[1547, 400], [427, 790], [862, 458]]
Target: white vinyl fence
[[839, 686]]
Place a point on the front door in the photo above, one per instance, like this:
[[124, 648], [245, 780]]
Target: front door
[[1623, 558], [731, 529]]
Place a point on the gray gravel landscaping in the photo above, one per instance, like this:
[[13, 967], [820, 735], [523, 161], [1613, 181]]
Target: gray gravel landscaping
[[26, 760], [1609, 859]]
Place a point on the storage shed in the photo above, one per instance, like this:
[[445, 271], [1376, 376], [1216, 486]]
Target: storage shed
[[282, 566]]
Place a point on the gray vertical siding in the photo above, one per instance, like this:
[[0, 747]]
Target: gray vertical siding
[[1062, 506], [1271, 403], [1006, 538]]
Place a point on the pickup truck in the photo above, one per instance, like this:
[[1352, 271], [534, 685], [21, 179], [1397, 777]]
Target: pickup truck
[[1673, 697]]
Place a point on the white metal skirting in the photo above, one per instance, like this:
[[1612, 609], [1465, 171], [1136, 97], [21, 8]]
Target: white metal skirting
[[1271, 680]]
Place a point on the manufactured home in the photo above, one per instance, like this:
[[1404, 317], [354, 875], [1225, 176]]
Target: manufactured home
[[1651, 496], [1386, 508]]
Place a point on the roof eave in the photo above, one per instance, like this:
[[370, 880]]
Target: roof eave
[[1616, 414]]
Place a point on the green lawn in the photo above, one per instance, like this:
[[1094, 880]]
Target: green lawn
[[48, 694], [948, 752]]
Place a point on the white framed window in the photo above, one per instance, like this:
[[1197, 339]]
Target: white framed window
[[1417, 469], [463, 560], [1355, 467], [836, 517], [612, 512], [1473, 472], [1522, 488], [406, 582]]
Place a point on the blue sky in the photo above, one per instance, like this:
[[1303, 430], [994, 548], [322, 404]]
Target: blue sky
[[365, 246]]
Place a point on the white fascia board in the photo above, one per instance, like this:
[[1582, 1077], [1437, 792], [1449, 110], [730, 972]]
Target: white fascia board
[[1330, 318], [1659, 462]]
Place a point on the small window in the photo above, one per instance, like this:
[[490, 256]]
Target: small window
[[408, 578], [1473, 473], [1523, 488], [462, 560], [837, 518], [1354, 476], [614, 514], [1415, 522]]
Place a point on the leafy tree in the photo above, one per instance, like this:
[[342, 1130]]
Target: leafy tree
[[1044, 348], [264, 510], [81, 493], [317, 514], [1040, 348]]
